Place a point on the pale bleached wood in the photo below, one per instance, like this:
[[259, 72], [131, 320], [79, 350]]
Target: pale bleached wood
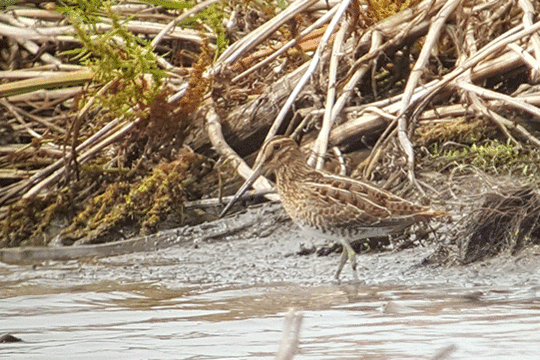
[[239, 48], [321, 144], [314, 62], [433, 35], [320, 22], [215, 134]]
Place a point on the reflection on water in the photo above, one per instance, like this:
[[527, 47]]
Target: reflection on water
[[108, 320]]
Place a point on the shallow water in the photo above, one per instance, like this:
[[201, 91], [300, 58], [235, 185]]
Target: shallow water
[[207, 302], [340, 322]]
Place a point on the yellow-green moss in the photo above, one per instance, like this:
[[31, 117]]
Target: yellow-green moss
[[462, 131], [382, 9], [29, 222], [143, 204], [495, 157], [470, 144], [21, 222]]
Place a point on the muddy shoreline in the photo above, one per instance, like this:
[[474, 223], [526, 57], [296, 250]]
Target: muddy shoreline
[[259, 245], [260, 220]]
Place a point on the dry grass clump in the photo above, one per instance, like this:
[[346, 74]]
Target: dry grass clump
[[492, 215], [507, 220]]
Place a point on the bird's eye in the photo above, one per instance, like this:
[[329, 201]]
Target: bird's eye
[[277, 146]]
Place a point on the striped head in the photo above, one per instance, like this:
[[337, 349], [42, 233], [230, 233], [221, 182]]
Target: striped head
[[278, 151]]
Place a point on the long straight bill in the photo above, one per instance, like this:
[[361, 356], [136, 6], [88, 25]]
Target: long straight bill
[[242, 190]]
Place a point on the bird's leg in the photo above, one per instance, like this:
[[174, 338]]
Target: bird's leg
[[347, 254], [342, 262], [352, 259]]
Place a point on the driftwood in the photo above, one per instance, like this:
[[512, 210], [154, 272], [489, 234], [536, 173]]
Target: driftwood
[[501, 55], [268, 110]]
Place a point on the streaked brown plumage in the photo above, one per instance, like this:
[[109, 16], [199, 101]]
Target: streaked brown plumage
[[333, 206]]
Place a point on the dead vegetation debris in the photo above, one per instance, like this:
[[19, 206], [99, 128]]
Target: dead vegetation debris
[[142, 207], [116, 114], [504, 219]]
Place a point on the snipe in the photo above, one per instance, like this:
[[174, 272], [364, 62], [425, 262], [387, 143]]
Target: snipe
[[333, 206]]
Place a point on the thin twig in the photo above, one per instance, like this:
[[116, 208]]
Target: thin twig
[[431, 40], [323, 20], [490, 94], [321, 144], [311, 69], [235, 51], [499, 120], [194, 10]]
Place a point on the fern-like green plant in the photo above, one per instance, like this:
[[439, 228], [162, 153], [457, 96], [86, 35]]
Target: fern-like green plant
[[212, 16], [117, 56]]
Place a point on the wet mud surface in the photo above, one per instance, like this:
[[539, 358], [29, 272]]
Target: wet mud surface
[[225, 298]]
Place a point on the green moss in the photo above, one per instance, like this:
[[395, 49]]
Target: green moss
[[171, 4], [4, 4], [33, 222], [21, 222], [494, 157]]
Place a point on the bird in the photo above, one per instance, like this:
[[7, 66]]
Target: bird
[[332, 206]]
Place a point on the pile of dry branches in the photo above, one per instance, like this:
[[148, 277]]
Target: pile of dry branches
[[334, 74], [463, 45]]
